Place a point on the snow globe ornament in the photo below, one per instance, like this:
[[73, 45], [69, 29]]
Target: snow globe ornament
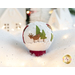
[[37, 37]]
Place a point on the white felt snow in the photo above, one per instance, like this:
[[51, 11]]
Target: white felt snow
[[13, 52]]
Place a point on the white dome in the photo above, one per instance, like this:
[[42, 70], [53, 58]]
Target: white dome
[[38, 44]]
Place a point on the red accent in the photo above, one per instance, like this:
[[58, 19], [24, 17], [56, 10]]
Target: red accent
[[47, 24], [23, 33], [29, 13], [25, 27], [38, 53], [23, 36], [32, 12]]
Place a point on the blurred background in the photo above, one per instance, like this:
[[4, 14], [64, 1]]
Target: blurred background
[[15, 19]]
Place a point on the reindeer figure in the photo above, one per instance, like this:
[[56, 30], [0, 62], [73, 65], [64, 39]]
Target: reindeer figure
[[36, 37]]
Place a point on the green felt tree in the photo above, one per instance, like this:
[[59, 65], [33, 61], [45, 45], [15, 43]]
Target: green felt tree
[[51, 37], [37, 30], [43, 35]]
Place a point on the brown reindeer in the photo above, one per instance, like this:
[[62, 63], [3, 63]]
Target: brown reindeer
[[36, 37]]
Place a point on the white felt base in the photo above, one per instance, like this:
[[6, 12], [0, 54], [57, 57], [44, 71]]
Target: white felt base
[[37, 46]]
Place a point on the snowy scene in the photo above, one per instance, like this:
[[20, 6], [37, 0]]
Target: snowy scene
[[16, 41]]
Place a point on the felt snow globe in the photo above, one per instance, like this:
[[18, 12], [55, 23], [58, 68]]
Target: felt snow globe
[[37, 37]]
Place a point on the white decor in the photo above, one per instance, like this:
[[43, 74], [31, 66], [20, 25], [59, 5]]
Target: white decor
[[61, 19], [12, 20], [54, 21], [39, 44], [40, 14]]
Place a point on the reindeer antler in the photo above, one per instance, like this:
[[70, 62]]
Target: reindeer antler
[[30, 35]]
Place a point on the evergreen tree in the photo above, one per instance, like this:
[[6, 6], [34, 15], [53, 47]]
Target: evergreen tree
[[51, 37], [43, 35], [37, 30]]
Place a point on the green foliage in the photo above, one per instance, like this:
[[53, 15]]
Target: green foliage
[[51, 37], [42, 35], [72, 11], [37, 30]]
